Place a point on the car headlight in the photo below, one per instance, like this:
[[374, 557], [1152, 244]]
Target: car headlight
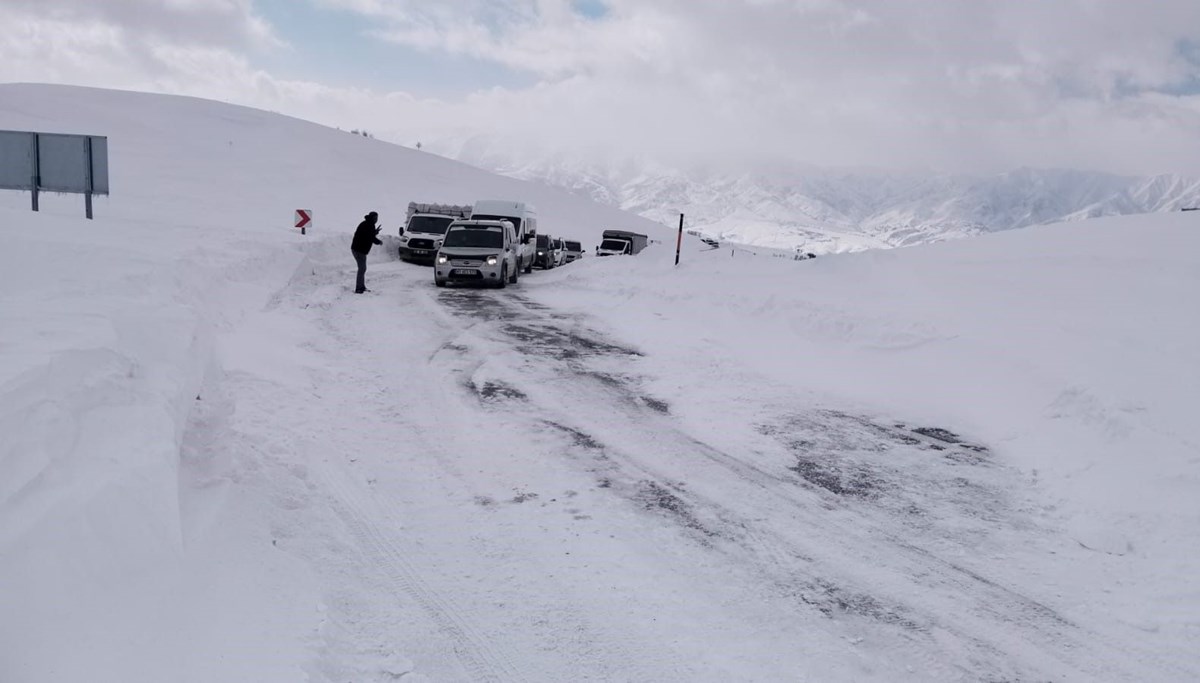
[[442, 258], [492, 260], [541, 253]]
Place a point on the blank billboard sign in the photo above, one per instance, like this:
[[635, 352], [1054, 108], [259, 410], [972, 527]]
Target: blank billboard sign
[[61, 163], [16, 160]]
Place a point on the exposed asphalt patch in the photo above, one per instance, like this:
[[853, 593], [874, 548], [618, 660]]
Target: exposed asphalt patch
[[495, 391], [656, 405], [835, 477], [478, 304], [539, 334], [549, 340], [935, 481], [581, 439], [607, 379], [598, 346], [655, 496], [832, 600], [836, 431], [530, 304]]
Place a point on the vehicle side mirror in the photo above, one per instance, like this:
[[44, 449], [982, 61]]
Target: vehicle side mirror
[[401, 229]]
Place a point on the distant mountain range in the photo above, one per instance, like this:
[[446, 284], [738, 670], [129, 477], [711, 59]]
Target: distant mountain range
[[828, 210]]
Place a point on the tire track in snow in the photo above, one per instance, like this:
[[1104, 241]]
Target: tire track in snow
[[556, 638], [1072, 648], [996, 632], [1036, 623], [369, 524], [481, 660]]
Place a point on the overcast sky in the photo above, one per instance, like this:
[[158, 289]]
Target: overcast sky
[[977, 85]]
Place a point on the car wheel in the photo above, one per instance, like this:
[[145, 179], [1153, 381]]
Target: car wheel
[[439, 282], [516, 274], [529, 268], [503, 277]]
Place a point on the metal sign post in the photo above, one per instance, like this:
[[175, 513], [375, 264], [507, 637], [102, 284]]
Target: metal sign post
[[37, 173]]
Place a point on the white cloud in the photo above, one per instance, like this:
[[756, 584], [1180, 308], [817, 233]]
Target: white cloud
[[986, 84], [213, 22]]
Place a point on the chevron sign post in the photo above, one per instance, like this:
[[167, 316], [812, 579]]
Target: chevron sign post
[[303, 220]]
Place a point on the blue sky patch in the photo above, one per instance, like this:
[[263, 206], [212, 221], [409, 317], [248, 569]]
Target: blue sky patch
[[592, 9], [335, 47]]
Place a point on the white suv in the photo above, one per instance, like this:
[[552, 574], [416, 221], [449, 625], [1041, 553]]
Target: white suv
[[482, 252]]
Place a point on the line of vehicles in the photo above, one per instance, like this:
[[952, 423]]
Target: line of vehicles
[[492, 242]]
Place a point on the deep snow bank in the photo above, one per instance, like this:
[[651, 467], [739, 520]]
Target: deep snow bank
[[109, 329], [1073, 349]]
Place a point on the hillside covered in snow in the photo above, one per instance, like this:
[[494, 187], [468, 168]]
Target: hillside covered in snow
[[973, 460], [791, 206]]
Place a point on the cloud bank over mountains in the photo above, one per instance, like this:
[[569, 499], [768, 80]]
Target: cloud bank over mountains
[[983, 86]]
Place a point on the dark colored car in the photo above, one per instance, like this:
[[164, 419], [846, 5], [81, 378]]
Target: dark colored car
[[547, 254]]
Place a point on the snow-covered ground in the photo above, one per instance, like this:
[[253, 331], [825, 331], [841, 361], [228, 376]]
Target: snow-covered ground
[[969, 461]]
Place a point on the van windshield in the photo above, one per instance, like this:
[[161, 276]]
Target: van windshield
[[614, 245], [434, 225], [484, 237], [511, 219], [543, 241], [574, 246]]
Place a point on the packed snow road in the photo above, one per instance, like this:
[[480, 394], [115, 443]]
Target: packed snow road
[[485, 489]]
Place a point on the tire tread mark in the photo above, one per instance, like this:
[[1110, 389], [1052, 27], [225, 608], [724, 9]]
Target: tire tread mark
[[478, 657]]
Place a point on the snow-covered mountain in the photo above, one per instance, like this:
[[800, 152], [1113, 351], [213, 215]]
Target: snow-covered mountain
[[827, 210]]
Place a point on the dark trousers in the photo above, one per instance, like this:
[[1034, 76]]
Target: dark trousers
[[360, 258]]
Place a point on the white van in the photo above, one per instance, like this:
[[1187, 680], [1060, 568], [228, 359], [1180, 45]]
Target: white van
[[478, 252], [523, 217]]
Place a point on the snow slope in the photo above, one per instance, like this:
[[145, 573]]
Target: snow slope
[[969, 461]]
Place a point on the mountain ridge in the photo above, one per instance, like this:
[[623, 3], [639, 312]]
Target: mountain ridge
[[821, 210]]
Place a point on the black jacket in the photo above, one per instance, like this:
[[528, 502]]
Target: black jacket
[[364, 237]]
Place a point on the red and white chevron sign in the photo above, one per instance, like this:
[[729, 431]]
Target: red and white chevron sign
[[303, 218]]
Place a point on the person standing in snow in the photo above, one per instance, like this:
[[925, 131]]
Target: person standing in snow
[[364, 238]]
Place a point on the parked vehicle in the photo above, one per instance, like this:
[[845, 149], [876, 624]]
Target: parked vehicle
[[478, 252], [424, 227], [560, 252], [523, 218], [573, 251], [621, 242], [546, 257]]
